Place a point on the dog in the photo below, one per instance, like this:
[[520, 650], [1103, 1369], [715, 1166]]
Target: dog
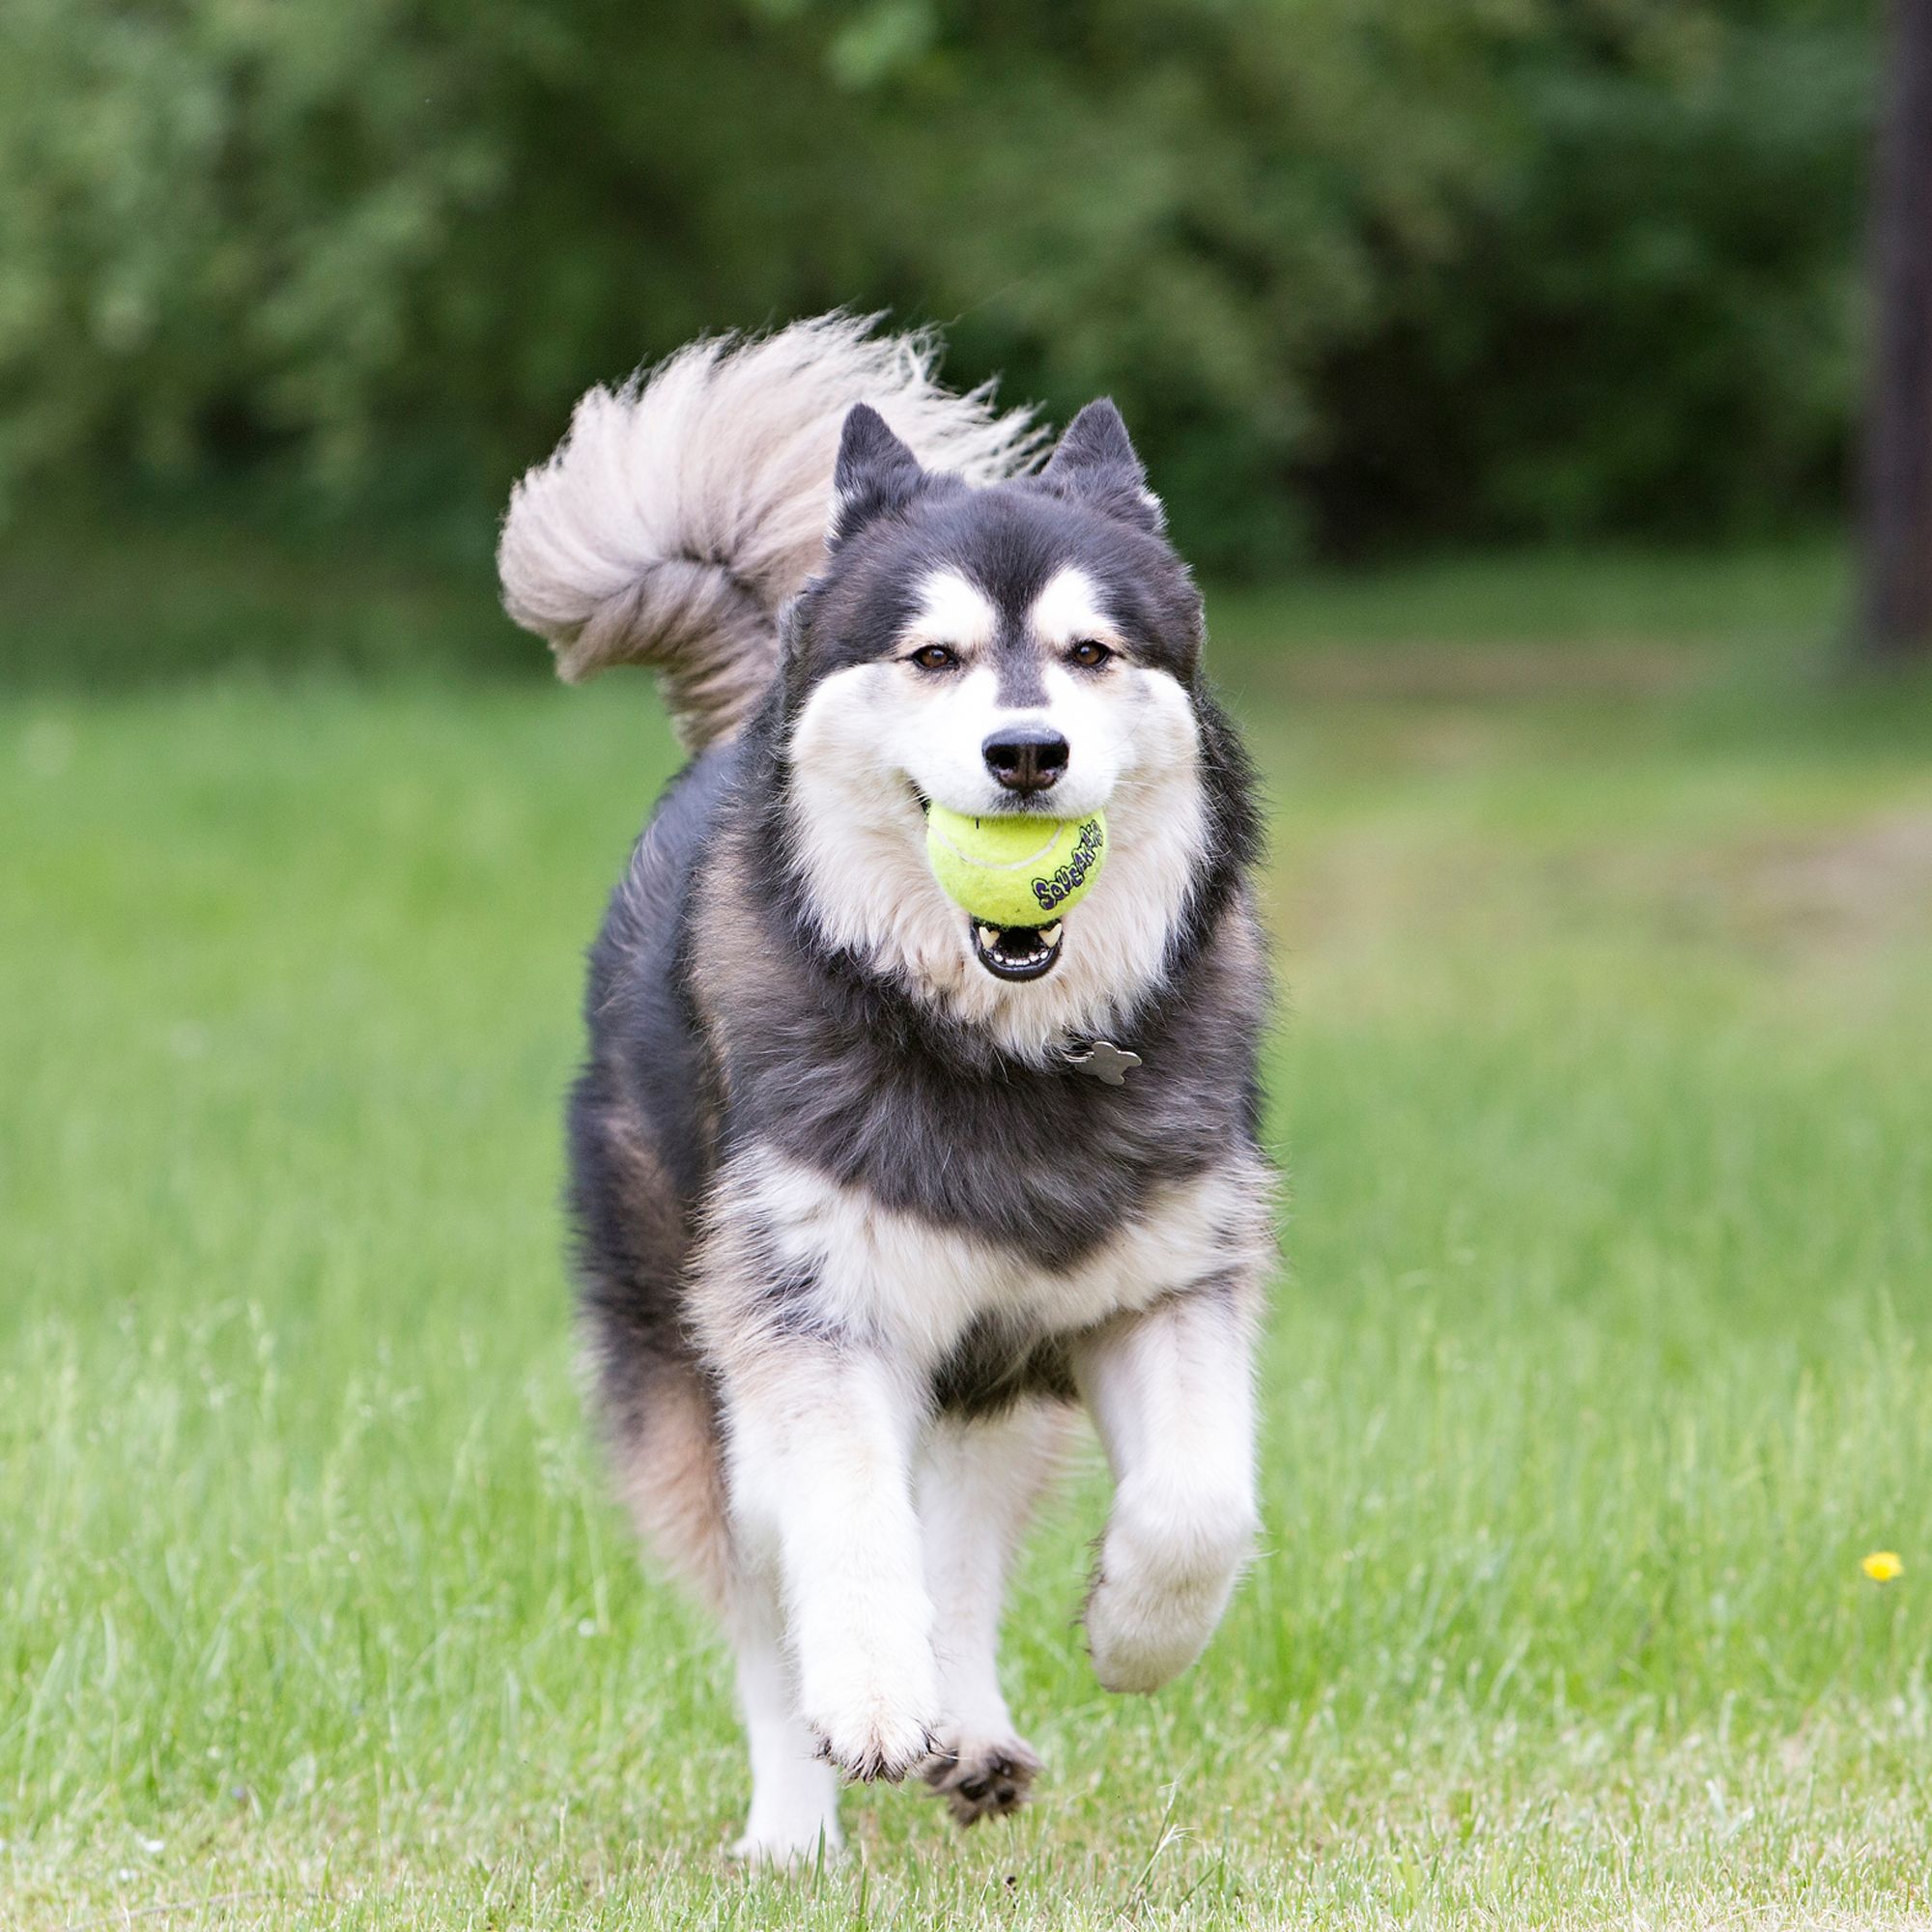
[[869, 1197]]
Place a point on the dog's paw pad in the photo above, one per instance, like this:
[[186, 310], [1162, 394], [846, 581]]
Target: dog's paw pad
[[982, 1778]]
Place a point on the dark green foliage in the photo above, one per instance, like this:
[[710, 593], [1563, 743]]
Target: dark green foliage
[[1357, 268], [1648, 325]]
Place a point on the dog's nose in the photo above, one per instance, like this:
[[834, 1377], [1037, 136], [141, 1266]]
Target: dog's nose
[[1027, 757]]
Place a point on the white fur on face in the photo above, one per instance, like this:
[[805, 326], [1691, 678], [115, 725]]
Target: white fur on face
[[870, 733], [1069, 608], [938, 722], [953, 612]]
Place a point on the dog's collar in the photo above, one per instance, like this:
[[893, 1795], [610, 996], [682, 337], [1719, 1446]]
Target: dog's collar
[[1101, 1060]]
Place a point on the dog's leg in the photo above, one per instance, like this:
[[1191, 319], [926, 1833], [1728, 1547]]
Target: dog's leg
[[794, 1792], [978, 1483], [1171, 1394], [821, 1439]]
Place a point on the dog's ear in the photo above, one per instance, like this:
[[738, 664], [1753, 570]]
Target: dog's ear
[[875, 472], [1095, 463]]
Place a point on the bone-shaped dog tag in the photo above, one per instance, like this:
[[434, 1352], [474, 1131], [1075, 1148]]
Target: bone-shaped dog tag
[[1105, 1060]]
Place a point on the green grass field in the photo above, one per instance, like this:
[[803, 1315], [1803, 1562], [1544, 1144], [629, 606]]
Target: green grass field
[[1604, 1084]]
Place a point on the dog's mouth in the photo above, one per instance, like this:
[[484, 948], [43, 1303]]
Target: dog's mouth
[[1009, 951], [1016, 952]]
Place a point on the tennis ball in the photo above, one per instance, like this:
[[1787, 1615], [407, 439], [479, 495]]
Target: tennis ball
[[1015, 870]]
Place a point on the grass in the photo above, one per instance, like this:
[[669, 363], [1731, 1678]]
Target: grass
[[1604, 1081]]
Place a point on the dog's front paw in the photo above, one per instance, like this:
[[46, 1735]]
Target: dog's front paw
[[881, 1743], [873, 1727], [1159, 1591], [870, 1696], [981, 1777]]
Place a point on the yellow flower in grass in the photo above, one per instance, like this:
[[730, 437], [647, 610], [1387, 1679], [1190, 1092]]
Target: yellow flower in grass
[[1882, 1565]]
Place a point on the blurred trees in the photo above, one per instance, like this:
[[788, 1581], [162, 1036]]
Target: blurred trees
[[1357, 269]]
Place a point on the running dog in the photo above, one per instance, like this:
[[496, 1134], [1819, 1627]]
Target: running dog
[[871, 1198]]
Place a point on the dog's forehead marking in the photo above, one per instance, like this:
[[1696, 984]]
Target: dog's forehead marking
[[1069, 607], [954, 609]]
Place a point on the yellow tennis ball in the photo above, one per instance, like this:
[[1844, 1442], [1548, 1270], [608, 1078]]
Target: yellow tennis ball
[[1015, 870]]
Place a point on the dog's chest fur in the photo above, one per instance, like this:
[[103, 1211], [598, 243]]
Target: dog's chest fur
[[969, 1309]]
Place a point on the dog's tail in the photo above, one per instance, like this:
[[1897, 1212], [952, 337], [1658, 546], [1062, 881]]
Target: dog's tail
[[683, 509]]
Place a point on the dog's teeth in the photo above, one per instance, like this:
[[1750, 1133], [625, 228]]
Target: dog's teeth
[[1051, 934], [989, 936]]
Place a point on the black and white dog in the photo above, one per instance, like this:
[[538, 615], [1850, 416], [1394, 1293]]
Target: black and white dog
[[866, 1201]]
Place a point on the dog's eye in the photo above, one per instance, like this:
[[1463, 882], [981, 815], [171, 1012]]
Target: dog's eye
[[1089, 653], [934, 657]]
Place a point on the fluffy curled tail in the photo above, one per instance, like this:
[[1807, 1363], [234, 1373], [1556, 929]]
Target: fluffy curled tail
[[683, 508]]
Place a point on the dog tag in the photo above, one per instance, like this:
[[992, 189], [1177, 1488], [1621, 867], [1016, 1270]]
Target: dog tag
[[1105, 1060]]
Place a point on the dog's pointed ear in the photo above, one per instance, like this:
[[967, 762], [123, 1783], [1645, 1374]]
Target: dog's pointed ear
[[875, 472], [1095, 462]]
